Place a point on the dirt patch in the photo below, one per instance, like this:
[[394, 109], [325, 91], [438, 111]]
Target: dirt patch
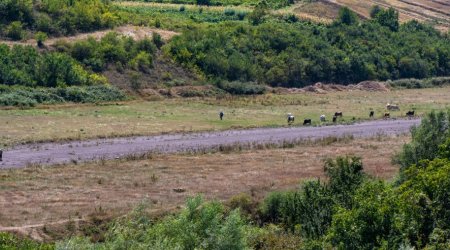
[[33, 197], [136, 32]]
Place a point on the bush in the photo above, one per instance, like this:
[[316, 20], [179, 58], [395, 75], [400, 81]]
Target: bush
[[426, 139], [242, 88], [40, 37], [15, 30]]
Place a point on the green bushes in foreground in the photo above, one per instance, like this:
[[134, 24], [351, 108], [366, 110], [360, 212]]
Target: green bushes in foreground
[[10, 242], [29, 97]]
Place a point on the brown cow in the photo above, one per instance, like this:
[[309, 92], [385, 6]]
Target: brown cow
[[371, 114], [387, 115], [410, 113], [338, 114]]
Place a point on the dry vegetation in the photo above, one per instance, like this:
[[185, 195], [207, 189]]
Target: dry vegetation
[[436, 12], [52, 123], [50, 197]]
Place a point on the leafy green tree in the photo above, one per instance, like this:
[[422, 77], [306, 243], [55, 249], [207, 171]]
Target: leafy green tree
[[426, 139], [347, 16], [388, 18]]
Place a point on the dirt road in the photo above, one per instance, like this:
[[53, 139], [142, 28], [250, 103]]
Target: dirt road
[[57, 153]]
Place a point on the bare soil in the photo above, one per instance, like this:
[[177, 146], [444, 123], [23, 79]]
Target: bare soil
[[80, 151]]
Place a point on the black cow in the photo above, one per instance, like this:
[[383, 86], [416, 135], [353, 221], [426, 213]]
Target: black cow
[[307, 122], [338, 114], [1, 155], [410, 113], [334, 119], [371, 114]]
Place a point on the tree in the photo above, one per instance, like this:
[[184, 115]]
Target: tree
[[388, 18], [40, 37], [204, 2], [347, 16]]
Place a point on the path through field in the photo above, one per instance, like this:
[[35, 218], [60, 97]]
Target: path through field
[[79, 151]]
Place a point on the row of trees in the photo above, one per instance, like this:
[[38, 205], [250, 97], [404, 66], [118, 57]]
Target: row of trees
[[296, 54], [54, 17]]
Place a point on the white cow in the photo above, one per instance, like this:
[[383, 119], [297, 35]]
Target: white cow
[[323, 118]]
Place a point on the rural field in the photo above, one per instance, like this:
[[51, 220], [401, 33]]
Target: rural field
[[111, 138], [36, 197], [78, 122]]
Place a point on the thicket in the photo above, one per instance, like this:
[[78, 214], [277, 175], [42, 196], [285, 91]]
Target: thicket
[[275, 4], [113, 49], [30, 96], [174, 19], [25, 66], [55, 17], [419, 83], [72, 64], [295, 54]]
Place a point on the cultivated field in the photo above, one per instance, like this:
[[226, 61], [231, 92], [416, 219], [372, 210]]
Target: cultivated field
[[435, 12], [49, 202], [74, 122]]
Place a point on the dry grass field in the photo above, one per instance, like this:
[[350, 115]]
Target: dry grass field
[[64, 122], [40, 201], [435, 12]]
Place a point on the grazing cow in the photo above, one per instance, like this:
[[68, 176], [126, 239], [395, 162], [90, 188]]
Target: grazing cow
[[392, 107], [1, 154], [323, 118], [334, 119], [371, 114], [307, 122], [338, 114], [290, 119], [410, 113], [387, 115], [221, 115]]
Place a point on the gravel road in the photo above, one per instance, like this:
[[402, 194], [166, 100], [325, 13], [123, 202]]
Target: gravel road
[[57, 153]]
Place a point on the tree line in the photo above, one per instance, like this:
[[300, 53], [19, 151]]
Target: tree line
[[289, 53]]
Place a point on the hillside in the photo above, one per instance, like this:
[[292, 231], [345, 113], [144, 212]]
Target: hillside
[[435, 12]]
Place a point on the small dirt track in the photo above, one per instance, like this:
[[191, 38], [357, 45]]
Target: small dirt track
[[58, 153]]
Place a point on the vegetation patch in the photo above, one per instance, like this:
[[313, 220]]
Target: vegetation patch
[[29, 97]]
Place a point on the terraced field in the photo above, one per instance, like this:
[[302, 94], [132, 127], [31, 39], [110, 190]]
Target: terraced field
[[436, 12]]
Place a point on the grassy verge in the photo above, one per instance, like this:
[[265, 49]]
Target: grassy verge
[[66, 122]]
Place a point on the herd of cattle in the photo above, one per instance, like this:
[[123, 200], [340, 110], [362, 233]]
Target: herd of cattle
[[389, 107]]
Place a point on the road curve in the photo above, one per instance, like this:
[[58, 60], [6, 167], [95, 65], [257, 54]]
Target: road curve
[[57, 153]]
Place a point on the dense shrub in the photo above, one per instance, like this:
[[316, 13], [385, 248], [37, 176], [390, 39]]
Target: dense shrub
[[295, 54], [242, 88], [28, 97], [56, 17], [426, 138], [10, 242], [198, 226], [419, 83]]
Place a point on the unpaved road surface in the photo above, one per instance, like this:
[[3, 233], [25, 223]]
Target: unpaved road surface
[[59, 153]]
